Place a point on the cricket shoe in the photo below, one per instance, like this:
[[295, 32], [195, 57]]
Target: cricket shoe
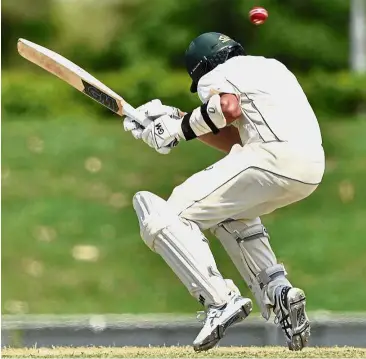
[[219, 319], [291, 316]]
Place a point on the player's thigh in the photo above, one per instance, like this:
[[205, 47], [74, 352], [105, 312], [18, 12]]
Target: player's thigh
[[205, 182], [210, 199], [251, 193], [289, 194]]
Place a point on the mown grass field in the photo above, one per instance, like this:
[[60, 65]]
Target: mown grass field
[[70, 241], [183, 352]]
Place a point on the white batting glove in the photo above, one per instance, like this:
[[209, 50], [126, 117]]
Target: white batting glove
[[163, 132], [132, 126], [154, 109], [136, 130]]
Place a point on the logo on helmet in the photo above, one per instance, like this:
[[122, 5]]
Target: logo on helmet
[[224, 38]]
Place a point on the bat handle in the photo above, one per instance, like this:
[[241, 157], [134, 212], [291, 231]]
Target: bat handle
[[137, 116]]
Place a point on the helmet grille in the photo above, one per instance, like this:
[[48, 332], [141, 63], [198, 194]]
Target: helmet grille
[[223, 55]]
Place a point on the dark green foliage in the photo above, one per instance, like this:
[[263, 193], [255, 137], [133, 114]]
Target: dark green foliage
[[109, 35], [337, 95]]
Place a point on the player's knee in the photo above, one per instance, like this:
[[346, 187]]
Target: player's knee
[[255, 231], [145, 204], [153, 214], [178, 202], [236, 227]]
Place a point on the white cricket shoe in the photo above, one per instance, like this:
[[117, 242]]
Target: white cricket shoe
[[219, 319], [291, 316]]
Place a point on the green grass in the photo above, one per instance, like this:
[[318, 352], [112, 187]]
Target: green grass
[[184, 352], [69, 182]]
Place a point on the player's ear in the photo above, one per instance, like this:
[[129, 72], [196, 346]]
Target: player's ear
[[230, 107]]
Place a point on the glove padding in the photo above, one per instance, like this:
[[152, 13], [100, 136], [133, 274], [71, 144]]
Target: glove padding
[[134, 127], [163, 132], [152, 110], [155, 109]]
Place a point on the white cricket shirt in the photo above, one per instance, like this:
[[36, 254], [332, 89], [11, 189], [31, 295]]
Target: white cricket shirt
[[274, 106]]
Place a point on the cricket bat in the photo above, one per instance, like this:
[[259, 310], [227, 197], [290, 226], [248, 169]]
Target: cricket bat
[[79, 79]]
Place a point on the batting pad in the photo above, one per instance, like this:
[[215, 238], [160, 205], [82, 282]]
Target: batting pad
[[183, 247], [247, 244]]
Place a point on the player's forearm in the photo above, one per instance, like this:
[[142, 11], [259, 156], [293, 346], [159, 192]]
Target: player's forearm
[[211, 117], [224, 140], [227, 137]]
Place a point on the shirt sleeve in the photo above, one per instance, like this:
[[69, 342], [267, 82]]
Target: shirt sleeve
[[212, 83]]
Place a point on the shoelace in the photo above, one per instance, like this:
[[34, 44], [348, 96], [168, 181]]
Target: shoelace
[[282, 318], [284, 323]]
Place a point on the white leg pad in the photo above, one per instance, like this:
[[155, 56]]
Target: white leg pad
[[183, 247], [247, 244]]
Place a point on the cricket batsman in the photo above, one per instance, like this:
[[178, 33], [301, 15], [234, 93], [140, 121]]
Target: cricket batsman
[[253, 109]]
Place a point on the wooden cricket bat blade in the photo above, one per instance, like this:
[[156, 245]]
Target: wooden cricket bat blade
[[78, 78]]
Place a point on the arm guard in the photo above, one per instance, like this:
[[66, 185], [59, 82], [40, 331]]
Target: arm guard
[[204, 119]]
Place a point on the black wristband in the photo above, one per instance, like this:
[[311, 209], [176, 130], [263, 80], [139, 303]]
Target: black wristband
[[186, 127]]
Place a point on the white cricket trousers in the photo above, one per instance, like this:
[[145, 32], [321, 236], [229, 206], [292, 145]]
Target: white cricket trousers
[[251, 181]]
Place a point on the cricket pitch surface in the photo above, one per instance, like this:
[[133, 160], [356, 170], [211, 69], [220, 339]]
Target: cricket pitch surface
[[181, 352]]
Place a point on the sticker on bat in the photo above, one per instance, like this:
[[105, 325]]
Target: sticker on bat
[[100, 96]]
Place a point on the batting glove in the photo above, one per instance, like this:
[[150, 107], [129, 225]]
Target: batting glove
[[152, 110], [163, 132]]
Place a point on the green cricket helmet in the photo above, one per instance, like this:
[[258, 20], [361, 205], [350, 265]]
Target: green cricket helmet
[[206, 52]]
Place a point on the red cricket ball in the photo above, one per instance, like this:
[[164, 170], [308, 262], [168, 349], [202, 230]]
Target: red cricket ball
[[258, 15]]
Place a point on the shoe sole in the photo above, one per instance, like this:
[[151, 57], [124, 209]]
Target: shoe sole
[[218, 333], [296, 301]]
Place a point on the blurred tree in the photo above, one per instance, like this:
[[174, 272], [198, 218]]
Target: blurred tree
[[111, 34], [21, 18]]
